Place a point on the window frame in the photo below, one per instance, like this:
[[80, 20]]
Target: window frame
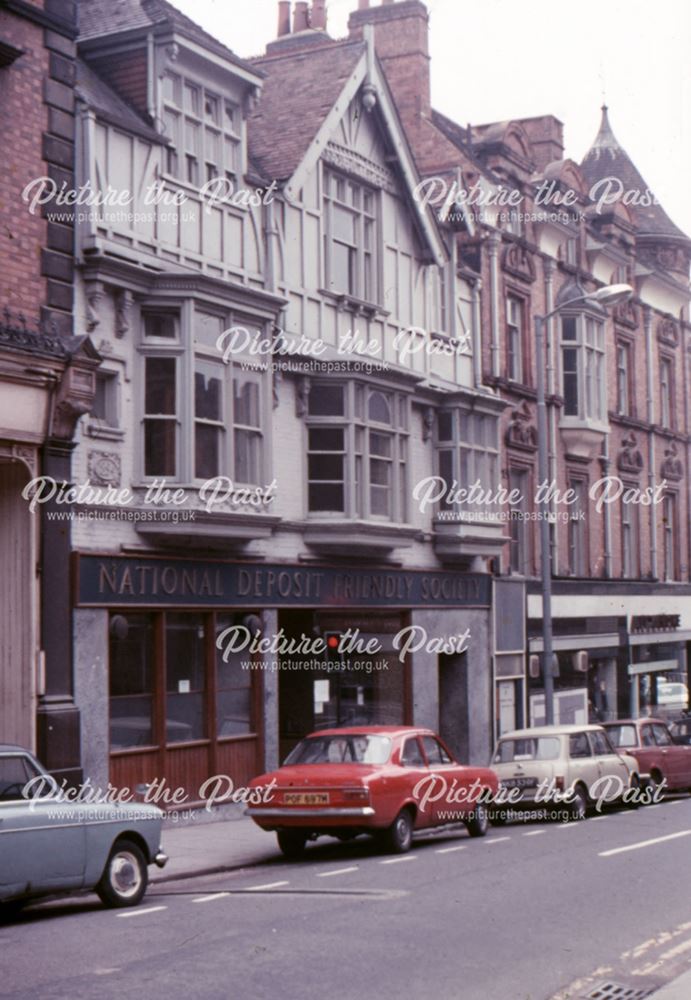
[[630, 526], [591, 366], [190, 355], [578, 547], [468, 454], [362, 286], [515, 339], [667, 400], [670, 535], [356, 451], [625, 401]]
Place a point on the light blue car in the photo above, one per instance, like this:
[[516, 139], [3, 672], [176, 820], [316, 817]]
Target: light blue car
[[50, 845]]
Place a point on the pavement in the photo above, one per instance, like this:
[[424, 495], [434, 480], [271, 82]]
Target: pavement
[[207, 843], [678, 989]]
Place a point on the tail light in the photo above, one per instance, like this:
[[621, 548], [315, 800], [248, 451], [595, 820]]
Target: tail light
[[356, 794]]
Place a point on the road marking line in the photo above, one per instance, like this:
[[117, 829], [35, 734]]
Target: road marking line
[[533, 833], [268, 885], [568, 825], [140, 913], [337, 871], [448, 850], [644, 843], [497, 840], [595, 819], [676, 802], [394, 861], [677, 950], [208, 899]]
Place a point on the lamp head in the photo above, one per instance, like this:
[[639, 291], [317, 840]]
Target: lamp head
[[611, 295]]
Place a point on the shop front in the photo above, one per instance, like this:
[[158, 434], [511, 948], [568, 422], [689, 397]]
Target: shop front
[[186, 669]]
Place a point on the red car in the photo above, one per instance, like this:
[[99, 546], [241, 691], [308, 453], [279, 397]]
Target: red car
[[658, 756], [382, 780]]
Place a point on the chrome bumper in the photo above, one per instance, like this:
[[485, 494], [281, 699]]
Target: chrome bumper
[[160, 858], [332, 812]]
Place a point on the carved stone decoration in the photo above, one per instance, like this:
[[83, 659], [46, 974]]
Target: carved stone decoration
[[521, 433], [672, 467], [302, 391], [104, 468], [668, 332], [123, 306], [519, 262], [629, 459], [626, 314], [427, 423], [276, 386], [22, 453], [357, 164], [105, 347], [94, 294]]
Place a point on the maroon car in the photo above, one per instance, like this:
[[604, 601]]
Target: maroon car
[[382, 780], [659, 757]]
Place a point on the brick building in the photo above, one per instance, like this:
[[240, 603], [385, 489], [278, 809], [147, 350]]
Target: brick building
[[46, 377]]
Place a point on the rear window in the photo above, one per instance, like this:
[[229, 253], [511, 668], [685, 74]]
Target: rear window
[[622, 736], [532, 748], [346, 749]]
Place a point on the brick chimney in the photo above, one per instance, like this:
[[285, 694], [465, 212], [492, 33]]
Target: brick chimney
[[318, 16], [401, 38], [546, 134], [283, 18], [301, 16]]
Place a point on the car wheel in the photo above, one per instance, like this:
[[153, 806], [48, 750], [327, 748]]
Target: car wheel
[[633, 801], [125, 876], [399, 836], [657, 781], [497, 817], [291, 842], [578, 807], [478, 823]]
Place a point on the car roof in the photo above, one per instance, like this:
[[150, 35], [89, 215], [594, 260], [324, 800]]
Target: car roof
[[13, 748], [555, 730], [632, 722], [374, 731]]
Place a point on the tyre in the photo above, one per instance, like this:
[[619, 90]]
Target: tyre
[[125, 876], [657, 783], [291, 842], [633, 799], [478, 823], [578, 808], [399, 836], [497, 817]]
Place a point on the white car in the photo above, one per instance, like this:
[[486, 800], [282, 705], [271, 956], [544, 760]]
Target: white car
[[536, 767]]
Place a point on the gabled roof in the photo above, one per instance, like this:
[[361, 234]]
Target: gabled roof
[[298, 93], [606, 158], [109, 106], [99, 18]]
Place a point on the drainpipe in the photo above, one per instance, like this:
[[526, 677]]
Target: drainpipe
[[650, 417], [476, 332], [494, 241]]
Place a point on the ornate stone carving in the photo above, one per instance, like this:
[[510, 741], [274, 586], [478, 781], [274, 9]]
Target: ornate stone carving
[[672, 467], [427, 423], [629, 459], [123, 306], [626, 314], [521, 433], [369, 171], [302, 391], [519, 262], [21, 453], [668, 332], [104, 468], [94, 294]]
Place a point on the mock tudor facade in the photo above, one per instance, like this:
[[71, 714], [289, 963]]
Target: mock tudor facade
[[306, 350]]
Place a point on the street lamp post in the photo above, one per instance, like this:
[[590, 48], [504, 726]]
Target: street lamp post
[[606, 296]]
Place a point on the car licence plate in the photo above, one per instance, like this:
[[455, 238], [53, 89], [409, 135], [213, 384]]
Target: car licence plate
[[520, 783], [306, 798]]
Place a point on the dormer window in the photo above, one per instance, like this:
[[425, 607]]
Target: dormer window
[[204, 130]]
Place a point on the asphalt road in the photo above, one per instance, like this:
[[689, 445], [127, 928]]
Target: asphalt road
[[518, 915]]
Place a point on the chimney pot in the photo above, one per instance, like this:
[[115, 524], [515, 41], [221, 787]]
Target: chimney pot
[[319, 15], [301, 16], [363, 5], [283, 17]]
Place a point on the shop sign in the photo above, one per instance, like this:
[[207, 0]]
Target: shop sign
[[118, 581]]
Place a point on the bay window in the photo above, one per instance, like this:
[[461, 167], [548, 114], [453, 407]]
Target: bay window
[[202, 417], [357, 450], [468, 452], [583, 368]]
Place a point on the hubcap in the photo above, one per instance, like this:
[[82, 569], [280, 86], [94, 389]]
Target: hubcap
[[125, 874]]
